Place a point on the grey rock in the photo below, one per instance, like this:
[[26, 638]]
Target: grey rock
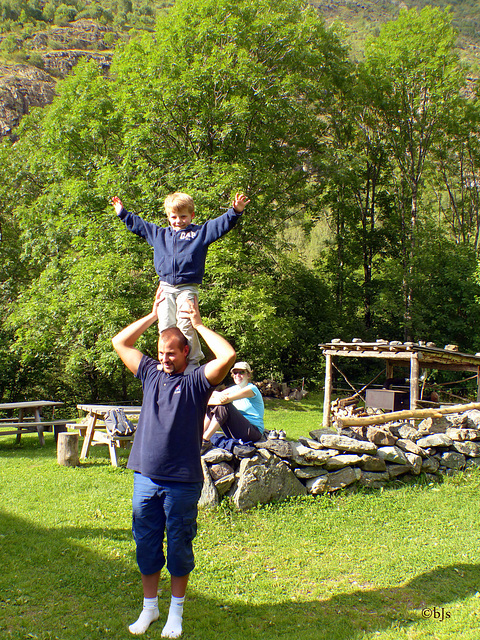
[[246, 463], [407, 432], [281, 448], [392, 454], [265, 483], [372, 463], [459, 435], [209, 496], [307, 473], [215, 455], [411, 447], [317, 485], [430, 465], [395, 470], [343, 478], [339, 462], [435, 440], [380, 437], [342, 443], [434, 425], [468, 448], [374, 480], [219, 470], [304, 456], [453, 460], [473, 419], [316, 434], [312, 444], [457, 420], [266, 454], [224, 483], [415, 462]]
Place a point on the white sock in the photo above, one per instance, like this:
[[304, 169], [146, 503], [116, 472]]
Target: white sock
[[149, 614], [173, 626]]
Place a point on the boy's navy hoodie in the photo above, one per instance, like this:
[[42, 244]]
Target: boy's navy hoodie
[[179, 256]]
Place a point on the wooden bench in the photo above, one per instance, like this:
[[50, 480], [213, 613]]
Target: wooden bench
[[31, 426], [101, 436], [93, 436]]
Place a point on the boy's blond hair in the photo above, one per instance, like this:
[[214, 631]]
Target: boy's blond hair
[[177, 201]]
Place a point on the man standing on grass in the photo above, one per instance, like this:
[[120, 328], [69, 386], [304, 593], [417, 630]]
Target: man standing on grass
[[165, 455]]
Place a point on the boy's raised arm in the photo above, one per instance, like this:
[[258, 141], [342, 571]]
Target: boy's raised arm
[[240, 202], [117, 203]]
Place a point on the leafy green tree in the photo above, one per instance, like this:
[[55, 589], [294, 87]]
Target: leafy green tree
[[455, 174], [416, 84], [195, 108]]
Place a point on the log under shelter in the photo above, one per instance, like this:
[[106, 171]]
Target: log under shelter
[[410, 355]]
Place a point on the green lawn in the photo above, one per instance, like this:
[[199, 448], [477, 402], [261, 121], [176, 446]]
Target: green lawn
[[296, 418], [402, 563]]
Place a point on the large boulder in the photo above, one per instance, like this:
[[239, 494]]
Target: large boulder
[[264, 483], [209, 496]]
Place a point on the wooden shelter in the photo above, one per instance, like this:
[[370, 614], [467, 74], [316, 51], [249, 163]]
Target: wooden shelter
[[411, 355]]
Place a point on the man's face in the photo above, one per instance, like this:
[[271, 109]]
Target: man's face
[[172, 355], [180, 219]]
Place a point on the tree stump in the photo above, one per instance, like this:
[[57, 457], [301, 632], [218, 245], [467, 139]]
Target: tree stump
[[67, 449]]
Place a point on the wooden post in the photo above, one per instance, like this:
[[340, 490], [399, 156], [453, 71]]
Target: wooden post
[[478, 384], [87, 441], [327, 396], [67, 449], [414, 371], [388, 369]]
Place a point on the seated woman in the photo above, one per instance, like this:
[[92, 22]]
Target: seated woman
[[238, 410]]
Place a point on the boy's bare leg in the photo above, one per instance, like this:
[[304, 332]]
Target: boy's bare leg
[[173, 626], [150, 611]]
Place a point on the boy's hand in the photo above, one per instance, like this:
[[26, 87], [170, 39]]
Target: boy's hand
[[240, 202], [117, 203]]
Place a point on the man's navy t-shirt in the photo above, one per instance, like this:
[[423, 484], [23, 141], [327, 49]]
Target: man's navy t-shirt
[[170, 428]]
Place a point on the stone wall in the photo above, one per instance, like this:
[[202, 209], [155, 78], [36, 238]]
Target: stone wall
[[327, 460]]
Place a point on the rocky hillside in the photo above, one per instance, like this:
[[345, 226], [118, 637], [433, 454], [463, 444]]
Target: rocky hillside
[[56, 51]]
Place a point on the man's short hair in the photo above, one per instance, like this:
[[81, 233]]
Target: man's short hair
[[178, 201], [176, 334]]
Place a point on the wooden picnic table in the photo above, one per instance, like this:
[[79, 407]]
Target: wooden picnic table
[[27, 418], [97, 412]]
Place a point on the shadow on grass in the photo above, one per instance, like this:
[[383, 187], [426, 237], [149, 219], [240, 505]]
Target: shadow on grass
[[52, 585], [351, 616]]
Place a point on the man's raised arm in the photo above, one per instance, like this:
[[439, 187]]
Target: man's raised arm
[[123, 342], [224, 353]]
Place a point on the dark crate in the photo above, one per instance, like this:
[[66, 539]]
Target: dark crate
[[387, 399]]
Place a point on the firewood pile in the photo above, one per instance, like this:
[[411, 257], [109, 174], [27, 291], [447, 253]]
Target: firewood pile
[[273, 389], [348, 408]]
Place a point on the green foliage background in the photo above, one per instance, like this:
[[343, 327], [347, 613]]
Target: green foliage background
[[362, 178]]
